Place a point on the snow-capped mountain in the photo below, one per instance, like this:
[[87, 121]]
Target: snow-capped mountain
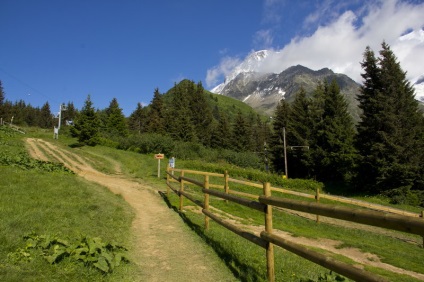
[[263, 91], [250, 64]]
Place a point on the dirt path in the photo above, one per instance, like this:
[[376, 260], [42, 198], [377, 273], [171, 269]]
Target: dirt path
[[165, 249]]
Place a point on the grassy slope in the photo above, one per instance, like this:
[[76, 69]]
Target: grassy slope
[[244, 258], [58, 204]]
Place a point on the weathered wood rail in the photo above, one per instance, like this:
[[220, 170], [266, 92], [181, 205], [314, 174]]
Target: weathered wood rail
[[379, 216]]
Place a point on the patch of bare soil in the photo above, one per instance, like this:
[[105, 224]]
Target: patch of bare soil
[[326, 244], [164, 247]]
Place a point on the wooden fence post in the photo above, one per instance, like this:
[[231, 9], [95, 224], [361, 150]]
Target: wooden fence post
[[181, 190], [226, 186], [167, 181], [317, 200], [206, 207], [422, 216], [268, 228]]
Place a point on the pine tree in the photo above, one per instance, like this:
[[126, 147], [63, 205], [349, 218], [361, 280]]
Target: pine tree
[[116, 124], [2, 95], [86, 127], [390, 134], [334, 152], [222, 132], [300, 135], [180, 117], [46, 118], [156, 121], [70, 113], [241, 134], [280, 124], [201, 115], [138, 119]]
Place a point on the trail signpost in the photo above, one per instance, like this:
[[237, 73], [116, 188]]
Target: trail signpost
[[159, 157]]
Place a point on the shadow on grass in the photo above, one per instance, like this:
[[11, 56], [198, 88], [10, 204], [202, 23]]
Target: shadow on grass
[[240, 270]]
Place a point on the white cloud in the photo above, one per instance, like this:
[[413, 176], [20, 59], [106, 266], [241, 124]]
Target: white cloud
[[225, 67], [339, 43], [263, 39]]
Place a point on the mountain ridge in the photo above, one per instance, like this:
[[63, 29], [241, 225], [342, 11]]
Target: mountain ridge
[[263, 91]]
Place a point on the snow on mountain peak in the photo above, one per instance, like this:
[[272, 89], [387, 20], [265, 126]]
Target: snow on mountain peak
[[417, 35], [250, 64]]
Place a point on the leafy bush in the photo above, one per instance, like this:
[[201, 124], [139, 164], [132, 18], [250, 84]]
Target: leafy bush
[[23, 161], [92, 252], [152, 143], [405, 196], [147, 143]]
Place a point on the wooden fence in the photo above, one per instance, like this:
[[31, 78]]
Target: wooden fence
[[379, 216]]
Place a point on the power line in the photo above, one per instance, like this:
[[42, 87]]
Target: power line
[[27, 85]]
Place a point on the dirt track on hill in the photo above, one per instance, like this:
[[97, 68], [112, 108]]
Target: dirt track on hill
[[165, 250]]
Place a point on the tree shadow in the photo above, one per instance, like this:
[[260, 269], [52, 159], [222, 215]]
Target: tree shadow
[[239, 269]]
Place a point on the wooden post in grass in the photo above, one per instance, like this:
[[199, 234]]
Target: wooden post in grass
[[226, 187], [422, 216], [181, 190], [268, 228], [317, 200], [167, 181], [206, 205]]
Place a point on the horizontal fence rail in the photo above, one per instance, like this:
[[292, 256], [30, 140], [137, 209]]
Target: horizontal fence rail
[[407, 222], [374, 218]]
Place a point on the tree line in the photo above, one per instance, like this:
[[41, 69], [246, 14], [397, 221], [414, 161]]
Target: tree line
[[383, 153]]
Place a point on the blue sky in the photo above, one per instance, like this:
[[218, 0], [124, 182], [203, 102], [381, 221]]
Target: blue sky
[[60, 51]]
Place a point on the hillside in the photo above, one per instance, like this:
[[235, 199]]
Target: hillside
[[229, 105]]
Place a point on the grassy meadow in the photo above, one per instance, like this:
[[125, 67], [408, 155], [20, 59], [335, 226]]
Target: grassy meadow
[[55, 202]]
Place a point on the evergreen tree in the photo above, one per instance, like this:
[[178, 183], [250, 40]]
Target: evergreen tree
[[280, 124], [156, 121], [201, 115], [390, 134], [116, 124], [179, 119], [70, 112], [19, 114], [2, 96], [241, 133], [334, 152], [300, 135], [86, 127], [45, 118], [222, 132], [138, 119]]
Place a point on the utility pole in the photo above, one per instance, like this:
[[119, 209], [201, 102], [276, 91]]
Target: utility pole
[[62, 107], [285, 153]]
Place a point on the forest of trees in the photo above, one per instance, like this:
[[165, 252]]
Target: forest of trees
[[383, 153]]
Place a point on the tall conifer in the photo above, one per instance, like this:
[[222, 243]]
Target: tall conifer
[[281, 120], [390, 133], [86, 127]]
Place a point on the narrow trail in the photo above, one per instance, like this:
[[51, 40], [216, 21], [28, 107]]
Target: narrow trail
[[165, 249]]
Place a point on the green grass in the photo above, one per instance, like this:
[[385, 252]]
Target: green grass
[[29, 209], [390, 250], [57, 204]]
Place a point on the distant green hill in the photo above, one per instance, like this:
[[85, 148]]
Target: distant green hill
[[223, 103]]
